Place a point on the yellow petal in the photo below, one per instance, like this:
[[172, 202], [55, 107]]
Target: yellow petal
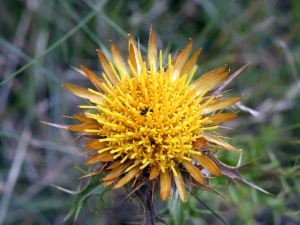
[[180, 185], [95, 144], [84, 119], [220, 118], [83, 93], [107, 69], [118, 59], [83, 127], [181, 59], [128, 177], [101, 157], [117, 171], [114, 165], [154, 172], [190, 64], [93, 78], [165, 185], [208, 164], [210, 79], [194, 171], [134, 57], [152, 50], [220, 105], [218, 141]]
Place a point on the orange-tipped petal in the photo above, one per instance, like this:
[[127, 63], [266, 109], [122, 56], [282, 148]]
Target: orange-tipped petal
[[83, 93], [128, 177], [210, 79], [57, 125], [194, 171], [199, 143], [181, 59], [117, 171], [109, 182], [107, 69], [84, 119], [220, 118], [218, 89], [83, 127], [134, 55], [133, 59], [190, 64], [220, 105], [93, 78], [114, 165], [208, 164], [95, 144], [101, 157], [218, 141], [165, 185], [118, 59], [180, 185], [154, 172], [152, 50], [78, 70]]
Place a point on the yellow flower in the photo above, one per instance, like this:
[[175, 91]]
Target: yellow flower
[[148, 120]]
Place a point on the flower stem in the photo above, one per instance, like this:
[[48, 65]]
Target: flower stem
[[144, 195]]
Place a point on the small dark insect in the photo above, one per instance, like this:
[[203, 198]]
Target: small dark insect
[[143, 112]]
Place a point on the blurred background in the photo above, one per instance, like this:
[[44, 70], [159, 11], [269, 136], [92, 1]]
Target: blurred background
[[40, 40]]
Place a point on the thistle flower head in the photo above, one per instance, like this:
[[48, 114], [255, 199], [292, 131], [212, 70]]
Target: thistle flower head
[[149, 121]]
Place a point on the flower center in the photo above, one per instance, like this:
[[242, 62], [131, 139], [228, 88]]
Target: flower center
[[151, 118]]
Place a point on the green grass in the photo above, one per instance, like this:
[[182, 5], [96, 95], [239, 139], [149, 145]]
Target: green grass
[[39, 42]]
